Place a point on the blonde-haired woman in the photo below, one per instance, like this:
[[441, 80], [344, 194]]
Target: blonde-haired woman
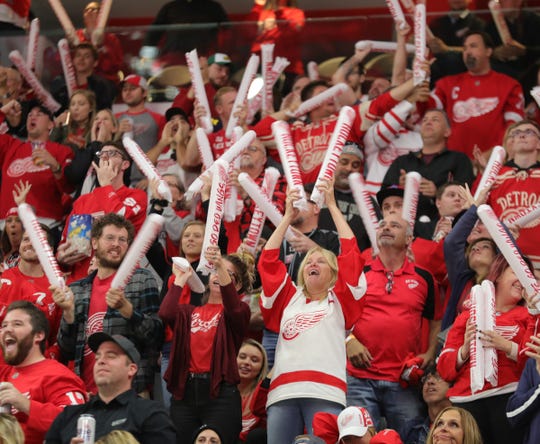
[[118, 437], [454, 425], [80, 173], [311, 317], [253, 369], [73, 126], [10, 430]]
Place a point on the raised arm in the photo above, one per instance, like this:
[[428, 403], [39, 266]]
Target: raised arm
[[403, 90], [399, 67], [342, 227], [290, 213], [340, 76]]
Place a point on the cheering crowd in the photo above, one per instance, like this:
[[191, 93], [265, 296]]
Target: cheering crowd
[[361, 269]]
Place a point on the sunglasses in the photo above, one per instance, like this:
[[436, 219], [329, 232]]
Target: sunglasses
[[390, 281]]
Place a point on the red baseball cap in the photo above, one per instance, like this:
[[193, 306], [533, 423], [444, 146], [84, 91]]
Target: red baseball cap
[[386, 436], [136, 80]]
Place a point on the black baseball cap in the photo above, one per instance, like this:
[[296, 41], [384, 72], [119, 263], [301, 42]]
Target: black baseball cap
[[392, 190], [96, 339], [175, 111], [34, 103]]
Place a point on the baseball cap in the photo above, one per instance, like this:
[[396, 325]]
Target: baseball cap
[[175, 111], [354, 421], [34, 103], [308, 439], [392, 190], [352, 148], [386, 436], [96, 339], [219, 58], [136, 80]]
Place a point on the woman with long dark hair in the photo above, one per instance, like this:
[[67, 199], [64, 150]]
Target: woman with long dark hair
[[202, 375]]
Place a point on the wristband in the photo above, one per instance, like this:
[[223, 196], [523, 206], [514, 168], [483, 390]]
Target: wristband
[[349, 338]]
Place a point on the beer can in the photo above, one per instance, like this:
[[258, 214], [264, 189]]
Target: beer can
[[129, 134], [86, 428]]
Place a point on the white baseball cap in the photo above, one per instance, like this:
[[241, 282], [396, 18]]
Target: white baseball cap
[[354, 421]]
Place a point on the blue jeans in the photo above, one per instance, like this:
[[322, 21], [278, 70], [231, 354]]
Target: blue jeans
[[384, 398], [269, 342], [165, 355], [287, 419]]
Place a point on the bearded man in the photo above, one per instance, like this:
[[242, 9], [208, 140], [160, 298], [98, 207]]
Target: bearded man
[[91, 305], [36, 388]]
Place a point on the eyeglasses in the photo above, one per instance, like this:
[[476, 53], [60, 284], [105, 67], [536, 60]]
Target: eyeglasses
[[525, 132], [120, 239], [91, 9], [390, 281], [108, 153]]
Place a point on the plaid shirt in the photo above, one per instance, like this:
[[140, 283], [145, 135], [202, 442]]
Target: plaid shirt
[[144, 329]]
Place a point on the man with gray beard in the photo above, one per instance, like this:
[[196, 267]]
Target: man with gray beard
[[480, 102]]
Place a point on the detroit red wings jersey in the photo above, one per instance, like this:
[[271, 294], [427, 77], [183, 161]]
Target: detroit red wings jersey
[[49, 386], [18, 286], [312, 329], [45, 196], [385, 141], [311, 139], [512, 325], [516, 190], [128, 202], [219, 143], [479, 107]]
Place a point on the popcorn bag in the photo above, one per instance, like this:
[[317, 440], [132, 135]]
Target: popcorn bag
[[79, 233]]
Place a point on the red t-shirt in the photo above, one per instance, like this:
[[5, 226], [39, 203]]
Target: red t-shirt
[[18, 286], [49, 386], [515, 190], [390, 324], [46, 193], [96, 313], [204, 322]]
